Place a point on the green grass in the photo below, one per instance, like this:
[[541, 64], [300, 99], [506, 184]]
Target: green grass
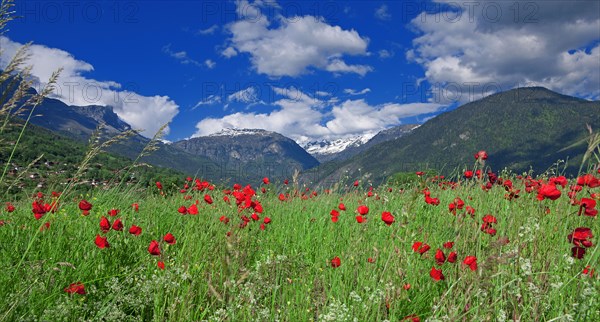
[[284, 272]]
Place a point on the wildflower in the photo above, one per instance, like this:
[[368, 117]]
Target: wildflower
[[101, 242], [169, 239], [154, 248], [117, 225], [85, 207], [362, 210], [104, 224], [548, 191], [161, 264], [78, 288], [440, 258], [336, 262], [470, 261], [436, 274], [135, 230], [387, 218]]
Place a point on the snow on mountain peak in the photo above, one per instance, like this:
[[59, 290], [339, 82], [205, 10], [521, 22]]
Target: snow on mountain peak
[[236, 132], [323, 147]]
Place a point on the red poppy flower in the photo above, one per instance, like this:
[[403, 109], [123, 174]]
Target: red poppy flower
[[436, 274], [104, 224], [286, 181], [448, 245], [336, 262], [440, 258], [548, 191], [588, 180], [370, 260], [85, 205], [39, 209], [208, 199], [411, 318], [360, 219], [161, 264], [334, 213], [193, 210], [117, 225], [363, 210], [262, 226], [342, 207], [9, 207], [588, 271], [452, 257], [387, 218], [420, 173], [468, 174], [470, 261], [356, 183], [281, 197], [135, 207], [135, 230], [78, 288], [420, 247], [589, 206], [267, 220], [113, 212], [169, 239], [101, 242], [154, 248], [159, 185], [481, 155], [265, 180]]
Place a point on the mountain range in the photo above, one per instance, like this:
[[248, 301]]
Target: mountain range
[[522, 129]]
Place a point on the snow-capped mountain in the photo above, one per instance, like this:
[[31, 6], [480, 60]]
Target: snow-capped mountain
[[237, 132], [323, 148], [341, 149]]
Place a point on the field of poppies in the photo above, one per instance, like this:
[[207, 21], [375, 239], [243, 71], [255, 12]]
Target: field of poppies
[[482, 247]]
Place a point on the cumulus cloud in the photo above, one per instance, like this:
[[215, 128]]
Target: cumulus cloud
[[292, 46], [382, 13], [74, 88], [303, 117], [473, 51]]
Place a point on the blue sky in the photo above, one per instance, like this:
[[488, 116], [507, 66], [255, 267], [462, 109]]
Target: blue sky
[[306, 69]]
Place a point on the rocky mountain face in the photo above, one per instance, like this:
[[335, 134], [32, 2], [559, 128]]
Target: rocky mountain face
[[252, 153]]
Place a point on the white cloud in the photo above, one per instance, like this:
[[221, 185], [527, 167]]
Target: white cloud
[[74, 88], [339, 66], [229, 52], [210, 100], [382, 13], [208, 31], [353, 92], [181, 56], [295, 45], [210, 64], [383, 54], [303, 117], [553, 44], [248, 95]]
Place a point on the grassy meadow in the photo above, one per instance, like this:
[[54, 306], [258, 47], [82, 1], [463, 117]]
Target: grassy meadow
[[225, 264]]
